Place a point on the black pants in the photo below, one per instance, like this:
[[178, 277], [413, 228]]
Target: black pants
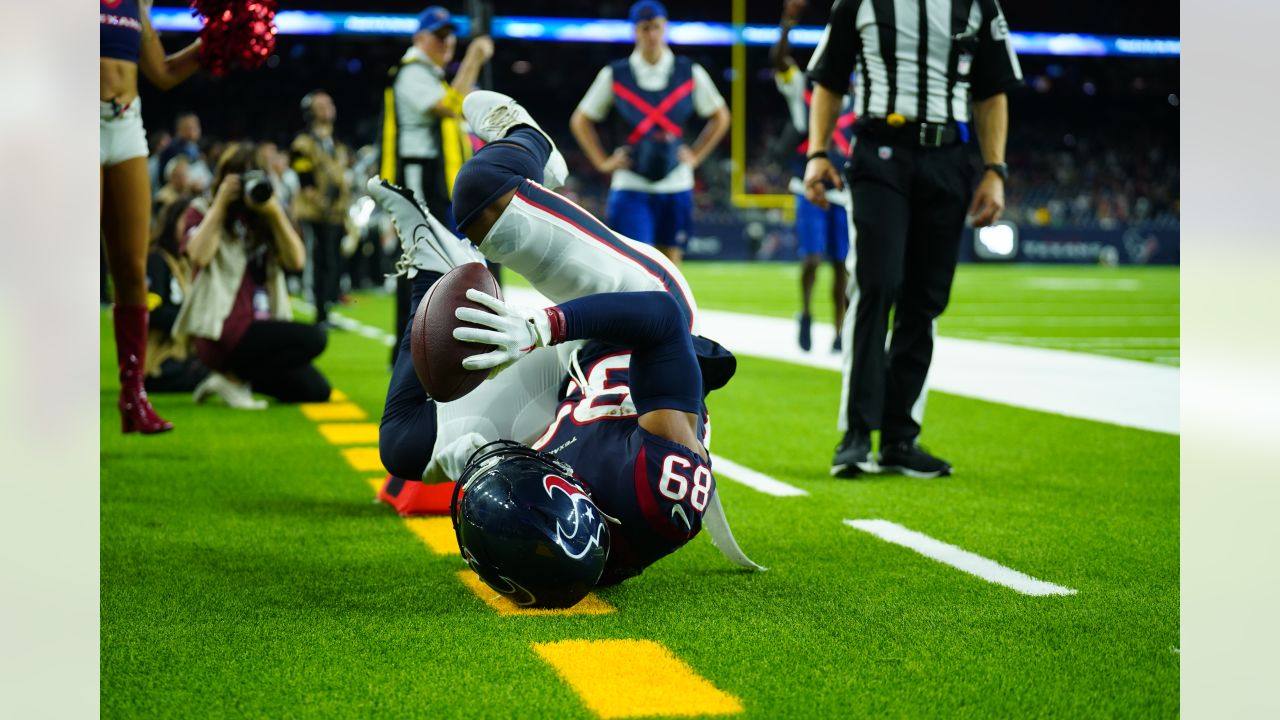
[[177, 376], [425, 178], [407, 433], [325, 240], [909, 205], [275, 357]]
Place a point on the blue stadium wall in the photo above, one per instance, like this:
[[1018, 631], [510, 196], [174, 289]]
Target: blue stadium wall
[[1130, 245]]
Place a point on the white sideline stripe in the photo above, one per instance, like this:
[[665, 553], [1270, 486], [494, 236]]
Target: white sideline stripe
[[343, 322], [960, 559], [1093, 387], [758, 481]]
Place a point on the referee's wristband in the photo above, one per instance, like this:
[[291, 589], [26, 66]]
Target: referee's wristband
[[817, 154]]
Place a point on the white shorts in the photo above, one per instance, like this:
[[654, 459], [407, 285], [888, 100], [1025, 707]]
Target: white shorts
[[120, 133]]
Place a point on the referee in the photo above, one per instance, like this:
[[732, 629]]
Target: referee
[[920, 66]]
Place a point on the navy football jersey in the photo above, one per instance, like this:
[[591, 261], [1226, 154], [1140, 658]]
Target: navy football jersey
[[656, 488]]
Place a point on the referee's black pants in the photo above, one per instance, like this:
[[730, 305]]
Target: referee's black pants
[[909, 206]]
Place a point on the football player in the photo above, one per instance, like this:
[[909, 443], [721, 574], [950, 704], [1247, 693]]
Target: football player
[[608, 381]]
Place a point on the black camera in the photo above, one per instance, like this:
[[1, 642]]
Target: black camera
[[257, 187]]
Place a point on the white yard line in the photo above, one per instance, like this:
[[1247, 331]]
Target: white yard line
[[1078, 284], [726, 468], [1163, 342], [1015, 320], [958, 558]]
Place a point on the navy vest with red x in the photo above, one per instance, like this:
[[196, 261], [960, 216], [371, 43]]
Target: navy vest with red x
[[653, 120], [841, 138]]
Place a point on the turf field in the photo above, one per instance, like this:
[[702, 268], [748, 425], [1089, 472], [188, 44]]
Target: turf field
[[246, 573]]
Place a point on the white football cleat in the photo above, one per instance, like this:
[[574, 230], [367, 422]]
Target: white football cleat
[[492, 115], [235, 394], [427, 243]]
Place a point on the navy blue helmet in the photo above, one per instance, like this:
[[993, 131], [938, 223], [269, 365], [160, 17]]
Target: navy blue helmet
[[527, 527]]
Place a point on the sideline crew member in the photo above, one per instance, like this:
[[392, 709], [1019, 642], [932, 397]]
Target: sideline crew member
[[653, 93], [424, 140], [821, 233], [920, 66], [321, 161]]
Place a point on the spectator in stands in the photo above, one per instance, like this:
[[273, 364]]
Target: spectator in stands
[[186, 142], [157, 142], [283, 178], [172, 365], [238, 310], [177, 182]]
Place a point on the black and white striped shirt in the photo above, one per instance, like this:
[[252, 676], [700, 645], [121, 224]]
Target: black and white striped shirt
[[918, 58]]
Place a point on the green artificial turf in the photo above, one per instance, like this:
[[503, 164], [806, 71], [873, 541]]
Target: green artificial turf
[[1129, 312], [246, 572]]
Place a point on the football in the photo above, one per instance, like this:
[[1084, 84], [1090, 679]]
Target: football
[[437, 355]]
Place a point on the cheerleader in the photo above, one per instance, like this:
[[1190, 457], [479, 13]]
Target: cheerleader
[[129, 44]]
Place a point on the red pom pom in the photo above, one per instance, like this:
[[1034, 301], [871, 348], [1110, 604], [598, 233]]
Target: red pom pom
[[237, 34]]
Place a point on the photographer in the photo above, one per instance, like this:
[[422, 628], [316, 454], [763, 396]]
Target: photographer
[[321, 205], [238, 309]]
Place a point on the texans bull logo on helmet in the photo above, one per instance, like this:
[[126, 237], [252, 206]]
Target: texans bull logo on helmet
[[588, 525]]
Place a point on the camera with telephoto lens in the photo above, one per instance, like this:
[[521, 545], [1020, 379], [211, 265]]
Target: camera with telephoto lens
[[257, 187]]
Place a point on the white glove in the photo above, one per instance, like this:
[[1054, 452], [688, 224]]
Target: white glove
[[513, 331], [449, 463]]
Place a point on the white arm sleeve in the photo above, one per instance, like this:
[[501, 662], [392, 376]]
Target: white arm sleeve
[[599, 98], [791, 84], [706, 98]]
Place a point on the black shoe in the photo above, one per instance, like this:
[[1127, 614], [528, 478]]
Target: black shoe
[[910, 459], [806, 326], [838, 345], [853, 455]]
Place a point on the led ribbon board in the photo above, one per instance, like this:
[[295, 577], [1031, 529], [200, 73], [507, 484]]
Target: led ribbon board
[[592, 30]]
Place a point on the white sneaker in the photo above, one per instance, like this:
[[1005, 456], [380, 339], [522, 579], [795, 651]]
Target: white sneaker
[[427, 243], [234, 394], [492, 115]]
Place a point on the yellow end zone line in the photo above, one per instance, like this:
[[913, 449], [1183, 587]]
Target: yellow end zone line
[[348, 433], [434, 532], [643, 679], [589, 605]]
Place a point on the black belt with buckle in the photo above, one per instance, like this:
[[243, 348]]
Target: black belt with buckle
[[924, 134]]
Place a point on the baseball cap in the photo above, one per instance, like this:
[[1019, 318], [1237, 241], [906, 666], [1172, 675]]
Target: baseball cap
[[647, 10], [435, 18]]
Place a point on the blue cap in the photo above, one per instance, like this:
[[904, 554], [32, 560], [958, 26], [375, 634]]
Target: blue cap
[[647, 10], [435, 18]]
